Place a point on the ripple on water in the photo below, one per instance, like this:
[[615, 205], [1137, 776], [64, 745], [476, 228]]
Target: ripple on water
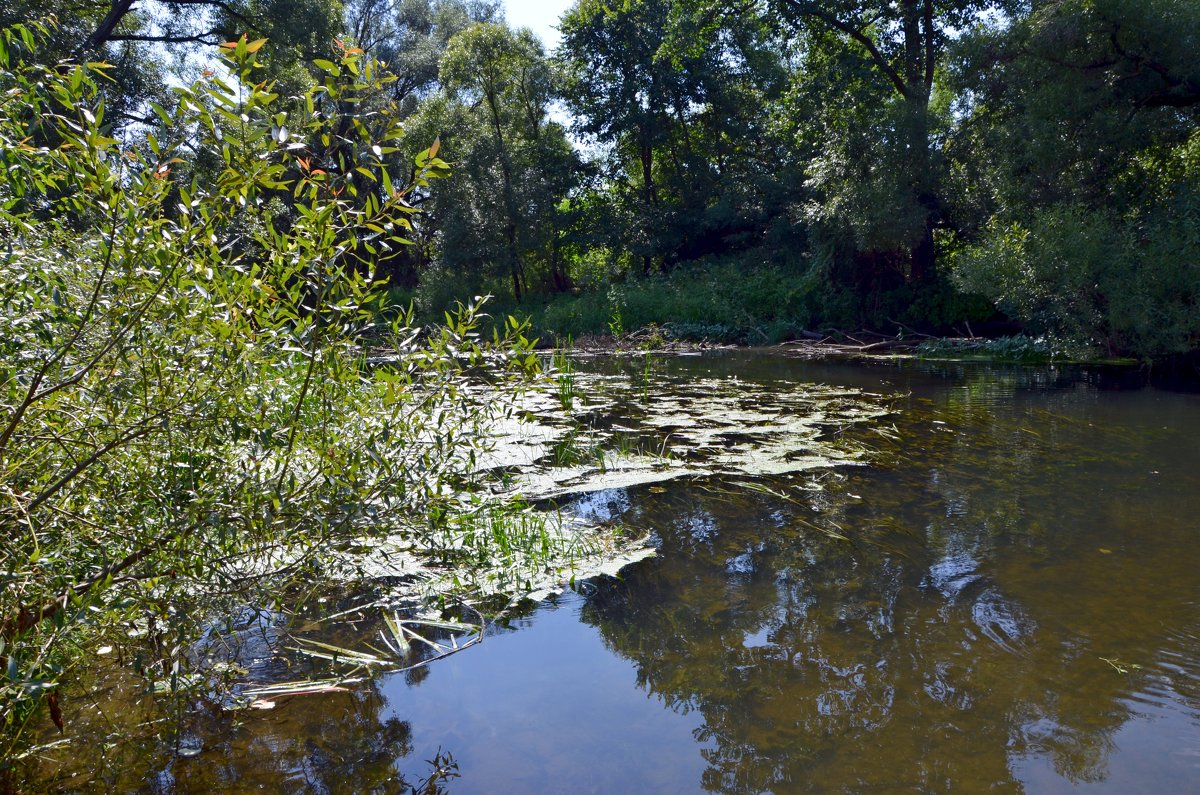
[[952, 574], [605, 505], [1000, 620], [1171, 678]]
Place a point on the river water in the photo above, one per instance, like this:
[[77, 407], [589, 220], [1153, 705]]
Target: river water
[[1003, 595]]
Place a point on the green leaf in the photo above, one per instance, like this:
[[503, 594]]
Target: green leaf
[[327, 66]]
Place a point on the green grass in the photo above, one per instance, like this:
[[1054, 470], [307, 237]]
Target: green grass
[[1018, 349], [720, 302], [739, 300], [748, 303]]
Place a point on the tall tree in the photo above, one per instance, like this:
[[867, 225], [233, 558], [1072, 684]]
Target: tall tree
[[1077, 171], [411, 36], [135, 35], [682, 109], [621, 93], [513, 163], [894, 49]]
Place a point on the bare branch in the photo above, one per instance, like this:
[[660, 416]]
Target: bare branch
[[212, 37]]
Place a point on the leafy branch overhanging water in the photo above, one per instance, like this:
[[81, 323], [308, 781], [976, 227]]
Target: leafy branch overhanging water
[[188, 425]]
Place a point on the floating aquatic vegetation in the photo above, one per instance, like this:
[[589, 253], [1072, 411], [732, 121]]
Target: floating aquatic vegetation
[[506, 539], [510, 540], [701, 427]]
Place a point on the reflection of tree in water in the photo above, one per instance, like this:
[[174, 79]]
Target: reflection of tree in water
[[961, 632], [325, 744], [339, 742]]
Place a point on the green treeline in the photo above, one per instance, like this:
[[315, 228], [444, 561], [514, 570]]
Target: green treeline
[[776, 165]]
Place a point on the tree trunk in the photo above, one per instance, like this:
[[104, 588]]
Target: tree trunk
[[917, 26], [646, 156], [510, 210], [649, 193], [562, 279], [510, 232], [100, 36], [924, 255]]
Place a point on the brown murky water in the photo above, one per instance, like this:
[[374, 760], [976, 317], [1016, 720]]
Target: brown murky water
[[1016, 608]]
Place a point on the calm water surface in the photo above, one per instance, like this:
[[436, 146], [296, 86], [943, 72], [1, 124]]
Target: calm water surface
[[1017, 609]]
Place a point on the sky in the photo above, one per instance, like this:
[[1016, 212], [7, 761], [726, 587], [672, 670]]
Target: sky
[[539, 15]]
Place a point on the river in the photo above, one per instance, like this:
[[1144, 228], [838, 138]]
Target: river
[[1002, 594]]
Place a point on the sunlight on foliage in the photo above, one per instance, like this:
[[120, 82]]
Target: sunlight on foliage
[[187, 420]]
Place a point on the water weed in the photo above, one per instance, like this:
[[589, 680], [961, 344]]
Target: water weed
[[563, 372]]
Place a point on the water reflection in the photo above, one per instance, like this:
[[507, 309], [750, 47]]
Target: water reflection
[[1027, 538], [346, 745], [1008, 599]]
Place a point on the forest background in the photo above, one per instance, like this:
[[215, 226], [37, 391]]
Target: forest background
[[746, 171]]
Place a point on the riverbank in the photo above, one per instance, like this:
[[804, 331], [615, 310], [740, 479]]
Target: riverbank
[[844, 344]]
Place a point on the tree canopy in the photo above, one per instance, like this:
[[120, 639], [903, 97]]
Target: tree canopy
[[903, 164], [209, 209]]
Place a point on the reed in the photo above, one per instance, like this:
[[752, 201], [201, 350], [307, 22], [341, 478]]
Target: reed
[[563, 371]]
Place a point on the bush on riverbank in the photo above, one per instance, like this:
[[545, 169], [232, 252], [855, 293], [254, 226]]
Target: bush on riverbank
[[726, 301], [188, 425]]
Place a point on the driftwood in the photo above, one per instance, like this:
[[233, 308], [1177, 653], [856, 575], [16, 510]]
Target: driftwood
[[648, 339], [826, 342], [834, 342]]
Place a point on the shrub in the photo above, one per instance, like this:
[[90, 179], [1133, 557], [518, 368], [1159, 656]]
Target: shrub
[[186, 424]]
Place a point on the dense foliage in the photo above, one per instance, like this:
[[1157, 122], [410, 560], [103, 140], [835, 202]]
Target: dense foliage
[[1083, 219], [913, 164], [898, 165], [187, 424]]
